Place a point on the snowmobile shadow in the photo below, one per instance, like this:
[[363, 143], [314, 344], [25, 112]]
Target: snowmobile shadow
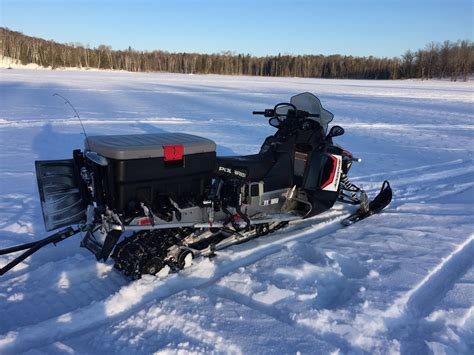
[[45, 145], [19, 302], [50, 143]]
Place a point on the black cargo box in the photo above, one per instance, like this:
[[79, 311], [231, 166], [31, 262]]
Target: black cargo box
[[143, 167]]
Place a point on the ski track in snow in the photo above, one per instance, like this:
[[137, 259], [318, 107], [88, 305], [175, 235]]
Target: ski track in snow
[[401, 281]]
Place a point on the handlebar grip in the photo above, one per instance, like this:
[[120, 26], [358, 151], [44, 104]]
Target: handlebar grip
[[258, 112]]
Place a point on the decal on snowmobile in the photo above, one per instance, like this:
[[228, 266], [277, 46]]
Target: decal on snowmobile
[[332, 183], [172, 206]]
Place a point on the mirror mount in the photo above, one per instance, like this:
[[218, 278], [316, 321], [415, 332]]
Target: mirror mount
[[274, 122], [335, 132]]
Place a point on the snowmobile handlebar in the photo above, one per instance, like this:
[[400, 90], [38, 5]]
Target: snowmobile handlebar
[[291, 113], [266, 113]]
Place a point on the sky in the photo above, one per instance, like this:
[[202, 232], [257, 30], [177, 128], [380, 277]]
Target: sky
[[383, 28]]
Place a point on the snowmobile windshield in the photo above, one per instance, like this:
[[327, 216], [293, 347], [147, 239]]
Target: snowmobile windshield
[[310, 103]]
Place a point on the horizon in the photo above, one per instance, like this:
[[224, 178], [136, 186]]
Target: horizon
[[165, 26]]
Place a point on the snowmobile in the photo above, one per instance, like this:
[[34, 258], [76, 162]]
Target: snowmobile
[[151, 200]]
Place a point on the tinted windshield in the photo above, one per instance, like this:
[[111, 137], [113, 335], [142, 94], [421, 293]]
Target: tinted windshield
[[310, 103]]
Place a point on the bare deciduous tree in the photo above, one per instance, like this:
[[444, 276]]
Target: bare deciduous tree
[[449, 59]]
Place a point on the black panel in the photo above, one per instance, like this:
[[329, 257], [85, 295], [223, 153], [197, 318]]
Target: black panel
[[321, 201], [280, 175], [316, 169]]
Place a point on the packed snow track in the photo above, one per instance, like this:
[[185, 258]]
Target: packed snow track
[[400, 281]]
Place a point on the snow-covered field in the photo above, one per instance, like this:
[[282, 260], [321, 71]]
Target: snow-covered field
[[401, 281]]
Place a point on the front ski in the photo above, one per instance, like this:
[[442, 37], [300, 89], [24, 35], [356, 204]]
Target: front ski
[[380, 201]]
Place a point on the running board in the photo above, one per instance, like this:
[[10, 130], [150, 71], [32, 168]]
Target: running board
[[103, 250]]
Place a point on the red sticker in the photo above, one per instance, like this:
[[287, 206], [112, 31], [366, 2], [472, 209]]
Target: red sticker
[[173, 152]]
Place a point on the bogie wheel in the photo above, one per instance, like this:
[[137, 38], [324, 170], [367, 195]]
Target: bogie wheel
[[184, 259], [262, 229], [153, 266]]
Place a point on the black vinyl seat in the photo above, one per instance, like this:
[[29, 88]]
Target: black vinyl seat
[[257, 165]]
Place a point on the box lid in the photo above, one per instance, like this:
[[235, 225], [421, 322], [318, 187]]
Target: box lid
[[150, 145]]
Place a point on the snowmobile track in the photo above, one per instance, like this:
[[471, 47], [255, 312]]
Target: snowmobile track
[[409, 326], [422, 299], [408, 311]]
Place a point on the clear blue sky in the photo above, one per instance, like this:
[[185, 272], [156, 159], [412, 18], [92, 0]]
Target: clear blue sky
[[259, 27]]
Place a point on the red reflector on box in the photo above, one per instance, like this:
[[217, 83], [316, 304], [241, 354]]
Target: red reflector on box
[[173, 152], [144, 222]]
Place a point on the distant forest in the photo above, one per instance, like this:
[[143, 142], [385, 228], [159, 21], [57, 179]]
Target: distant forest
[[452, 60]]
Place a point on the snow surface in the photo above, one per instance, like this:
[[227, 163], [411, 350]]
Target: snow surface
[[401, 281]]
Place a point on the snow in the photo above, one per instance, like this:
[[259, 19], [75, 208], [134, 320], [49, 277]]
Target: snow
[[401, 281], [11, 63]]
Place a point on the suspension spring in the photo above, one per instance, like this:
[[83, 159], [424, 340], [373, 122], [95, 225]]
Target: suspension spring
[[349, 186]]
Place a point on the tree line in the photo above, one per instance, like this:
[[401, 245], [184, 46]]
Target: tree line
[[453, 60]]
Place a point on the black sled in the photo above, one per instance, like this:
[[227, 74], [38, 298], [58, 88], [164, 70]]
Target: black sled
[[152, 200]]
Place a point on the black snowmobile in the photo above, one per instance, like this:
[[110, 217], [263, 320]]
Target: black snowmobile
[[150, 200]]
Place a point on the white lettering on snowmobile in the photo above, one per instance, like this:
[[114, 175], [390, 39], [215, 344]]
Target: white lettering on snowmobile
[[240, 173], [235, 172], [225, 170], [273, 201]]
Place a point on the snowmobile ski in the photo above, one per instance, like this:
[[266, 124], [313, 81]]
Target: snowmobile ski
[[380, 201]]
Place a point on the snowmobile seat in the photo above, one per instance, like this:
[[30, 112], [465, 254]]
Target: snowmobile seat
[[257, 165]]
